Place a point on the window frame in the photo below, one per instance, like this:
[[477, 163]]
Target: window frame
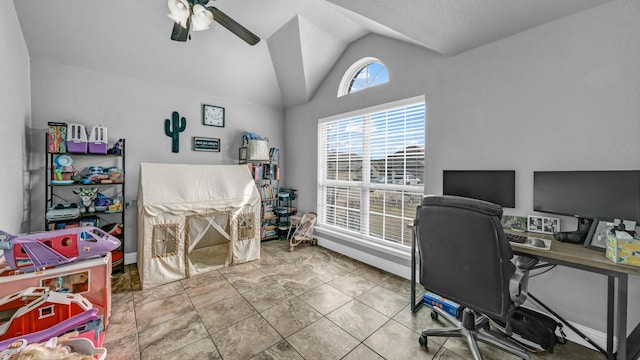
[[366, 182], [349, 76]]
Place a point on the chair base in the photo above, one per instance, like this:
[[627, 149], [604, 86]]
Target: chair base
[[471, 328]]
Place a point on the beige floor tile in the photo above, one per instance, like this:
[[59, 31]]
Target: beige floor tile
[[325, 271], [202, 349], [325, 298], [421, 320], [386, 301], [397, 284], [224, 313], [208, 289], [346, 263], [372, 274], [352, 285], [246, 338], [291, 316], [297, 282], [362, 353], [445, 354], [460, 347], [322, 340], [165, 337], [279, 351], [156, 312], [156, 293], [395, 342], [357, 319], [266, 294], [122, 348]]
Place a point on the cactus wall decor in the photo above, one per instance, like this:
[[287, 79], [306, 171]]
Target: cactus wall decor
[[173, 130]]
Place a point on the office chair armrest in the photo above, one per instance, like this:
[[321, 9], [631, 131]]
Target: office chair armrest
[[526, 262]]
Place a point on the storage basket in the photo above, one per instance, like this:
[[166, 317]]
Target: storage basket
[[98, 140], [76, 138], [257, 149]]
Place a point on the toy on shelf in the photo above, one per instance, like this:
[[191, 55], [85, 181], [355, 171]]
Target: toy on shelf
[[63, 211], [87, 196], [102, 202], [63, 170], [31, 252], [117, 148]]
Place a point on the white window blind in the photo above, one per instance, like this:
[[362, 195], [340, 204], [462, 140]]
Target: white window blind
[[371, 166]]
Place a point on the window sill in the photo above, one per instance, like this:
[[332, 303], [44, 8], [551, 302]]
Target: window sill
[[397, 251]]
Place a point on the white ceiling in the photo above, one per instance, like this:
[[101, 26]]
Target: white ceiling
[[301, 39]]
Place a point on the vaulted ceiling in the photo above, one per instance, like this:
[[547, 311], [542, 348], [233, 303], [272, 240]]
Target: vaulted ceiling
[[301, 39]]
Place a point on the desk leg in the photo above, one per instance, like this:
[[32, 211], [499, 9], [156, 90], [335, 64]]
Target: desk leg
[[623, 284], [414, 306], [611, 288]]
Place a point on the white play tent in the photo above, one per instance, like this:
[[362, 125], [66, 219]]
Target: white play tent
[[195, 218]]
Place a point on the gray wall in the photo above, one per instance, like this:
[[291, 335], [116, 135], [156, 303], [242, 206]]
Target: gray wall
[[136, 111], [14, 104], [563, 96]]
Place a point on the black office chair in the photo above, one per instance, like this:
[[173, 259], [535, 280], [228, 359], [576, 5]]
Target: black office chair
[[465, 257]]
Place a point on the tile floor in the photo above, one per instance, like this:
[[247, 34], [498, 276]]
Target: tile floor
[[311, 303]]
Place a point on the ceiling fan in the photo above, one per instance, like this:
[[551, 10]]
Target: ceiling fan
[[196, 15]]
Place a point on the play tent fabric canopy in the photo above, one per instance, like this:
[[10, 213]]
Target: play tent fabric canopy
[[195, 218]]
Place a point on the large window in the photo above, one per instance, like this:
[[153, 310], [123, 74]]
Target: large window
[[371, 170]]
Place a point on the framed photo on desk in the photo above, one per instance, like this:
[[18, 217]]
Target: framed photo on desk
[[542, 224], [599, 238]]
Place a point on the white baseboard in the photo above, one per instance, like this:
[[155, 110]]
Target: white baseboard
[[130, 258], [596, 336]]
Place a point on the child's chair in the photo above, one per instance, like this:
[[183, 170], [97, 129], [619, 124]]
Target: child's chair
[[303, 231]]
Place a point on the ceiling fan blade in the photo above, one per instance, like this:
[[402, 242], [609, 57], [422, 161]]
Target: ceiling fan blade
[[179, 33], [231, 25]]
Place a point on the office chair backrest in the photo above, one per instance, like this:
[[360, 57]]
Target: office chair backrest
[[464, 254]]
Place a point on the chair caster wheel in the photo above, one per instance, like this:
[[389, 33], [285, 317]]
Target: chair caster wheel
[[423, 341], [314, 242], [434, 315], [290, 248]]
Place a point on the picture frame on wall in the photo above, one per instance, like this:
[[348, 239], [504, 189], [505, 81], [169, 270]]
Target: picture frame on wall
[[543, 224], [213, 115], [206, 144]]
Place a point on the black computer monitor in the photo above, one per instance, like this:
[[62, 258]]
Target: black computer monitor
[[496, 186], [604, 195]]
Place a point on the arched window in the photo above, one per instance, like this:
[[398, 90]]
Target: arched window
[[363, 74]]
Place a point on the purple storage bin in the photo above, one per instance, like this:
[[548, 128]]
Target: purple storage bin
[[77, 147], [98, 140], [76, 138], [97, 148]]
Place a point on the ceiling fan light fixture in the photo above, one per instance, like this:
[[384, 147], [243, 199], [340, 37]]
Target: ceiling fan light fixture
[[201, 18], [179, 11]]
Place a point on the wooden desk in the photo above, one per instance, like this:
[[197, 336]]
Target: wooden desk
[[579, 257], [587, 259]]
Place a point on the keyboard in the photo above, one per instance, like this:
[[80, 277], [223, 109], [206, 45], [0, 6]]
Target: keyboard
[[528, 241]]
